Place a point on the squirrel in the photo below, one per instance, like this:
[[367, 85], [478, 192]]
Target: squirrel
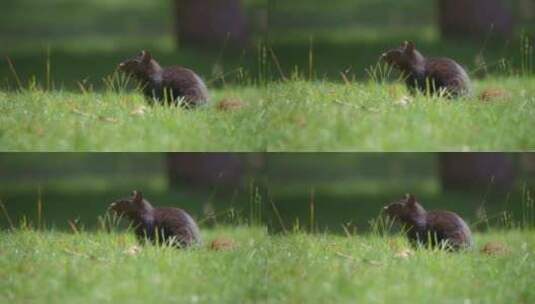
[[169, 83], [159, 225], [442, 228], [428, 75]]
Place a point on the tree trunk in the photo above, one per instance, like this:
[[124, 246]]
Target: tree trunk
[[225, 172], [211, 23], [205, 170], [527, 9], [474, 19], [476, 171]]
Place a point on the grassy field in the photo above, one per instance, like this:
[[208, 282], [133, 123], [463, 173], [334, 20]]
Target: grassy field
[[287, 116], [52, 267], [62, 121], [65, 106], [369, 116]]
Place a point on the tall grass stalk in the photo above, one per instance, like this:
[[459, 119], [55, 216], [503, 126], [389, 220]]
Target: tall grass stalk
[[6, 215], [527, 56], [14, 72]]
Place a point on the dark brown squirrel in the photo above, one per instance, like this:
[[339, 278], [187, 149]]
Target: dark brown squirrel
[[159, 225], [428, 75], [442, 228], [166, 84]]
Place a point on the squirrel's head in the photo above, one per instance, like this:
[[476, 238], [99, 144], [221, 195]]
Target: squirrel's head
[[406, 208], [130, 206], [137, 64], [403, 57]]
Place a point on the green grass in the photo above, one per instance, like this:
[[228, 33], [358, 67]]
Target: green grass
[[52, 267], [63, 121], [287, 116], [320, 115]]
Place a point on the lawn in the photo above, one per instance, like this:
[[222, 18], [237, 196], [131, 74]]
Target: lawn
[[295, 115], [289, 81], [89, 267], [64, 121], [312, 116]]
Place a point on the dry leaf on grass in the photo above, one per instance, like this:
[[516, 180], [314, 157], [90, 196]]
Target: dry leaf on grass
[[134, 250], [223, 244], [494, 94], [495, 248], [230, 104], [93, 116], [300, 121], [403, 253], [139, 111], [108, 119], [404, 101]]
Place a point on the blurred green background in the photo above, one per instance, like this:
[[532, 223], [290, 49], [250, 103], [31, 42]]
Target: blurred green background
[[349, 36], [345, 188], [84, 40]]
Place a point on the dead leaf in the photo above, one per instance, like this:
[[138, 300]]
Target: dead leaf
[[495, 248], [223, 244], [139, 111], [300, 121], [404, 101], [39, 131], [403, 253], [134, 250], [99, 117], [230, 104], [108, 119], [493, 94]]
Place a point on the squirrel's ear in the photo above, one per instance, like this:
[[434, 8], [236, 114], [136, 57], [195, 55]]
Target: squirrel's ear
[[411, 200], [137, 197], [145, 56], [409, 46]]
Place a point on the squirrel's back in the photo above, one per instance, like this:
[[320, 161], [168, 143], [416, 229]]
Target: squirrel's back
[[185, 83], [451, 227], [449, 75], [177, 222]]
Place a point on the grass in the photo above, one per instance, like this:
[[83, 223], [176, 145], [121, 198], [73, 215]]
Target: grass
[[287, 116], [320, 112], [44, 262], [63, 121], [323, 116], [51, 267]]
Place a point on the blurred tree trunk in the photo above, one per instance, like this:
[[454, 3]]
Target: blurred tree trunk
[[475, 171], [211, 23], [223, 171], [474, 18], [527, 9]]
